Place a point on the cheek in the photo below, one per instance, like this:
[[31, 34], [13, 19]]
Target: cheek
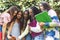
[[25, 15], [14, 14], [41, 7], [19, 16], [30, 13]]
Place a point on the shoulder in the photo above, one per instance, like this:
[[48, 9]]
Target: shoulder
[[5, 15], [51, 10], [28, 21], [52, 13]]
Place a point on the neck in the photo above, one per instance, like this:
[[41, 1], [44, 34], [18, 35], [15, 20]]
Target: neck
[[17, 20], [25, 18]]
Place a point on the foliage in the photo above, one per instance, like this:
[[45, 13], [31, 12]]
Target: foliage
[[24, 4]]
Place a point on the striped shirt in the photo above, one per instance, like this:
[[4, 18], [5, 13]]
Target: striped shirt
[[54, 18]]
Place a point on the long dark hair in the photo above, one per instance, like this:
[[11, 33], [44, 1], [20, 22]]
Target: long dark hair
[[12, 9], [46, 5], [26, 20], [19, 21], [35, 11], [27, 14]]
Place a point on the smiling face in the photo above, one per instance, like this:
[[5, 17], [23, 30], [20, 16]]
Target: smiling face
[[19, 15], [15, 12], [26, 14], [30, 12], [41, 7]]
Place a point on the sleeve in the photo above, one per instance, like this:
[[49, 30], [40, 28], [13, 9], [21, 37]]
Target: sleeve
[[53, 16], [8, 18], [51, 24]]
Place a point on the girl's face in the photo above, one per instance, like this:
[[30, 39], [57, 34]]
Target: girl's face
[[19, 15], [26, 15], [30, 12], [41, 7], [14, 14]]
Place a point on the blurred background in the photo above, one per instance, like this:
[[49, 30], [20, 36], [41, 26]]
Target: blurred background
[[24, 4]]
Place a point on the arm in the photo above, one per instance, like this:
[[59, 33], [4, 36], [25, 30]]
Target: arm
[[24, 33], [4, 30], [52, 24], [6, 19], [54, 17], [10, 29]]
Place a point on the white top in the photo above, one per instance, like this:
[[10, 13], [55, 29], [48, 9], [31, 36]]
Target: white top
[[15, 30], [36, 29]]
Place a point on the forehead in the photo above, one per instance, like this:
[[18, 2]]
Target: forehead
[[40, 4], [30, 10], [15, 11], [20, 13], [25, 12]]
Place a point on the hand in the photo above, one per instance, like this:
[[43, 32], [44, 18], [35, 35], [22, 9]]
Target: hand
[[42, 24], [9, 37], [13, 38], [19, 38], [3, 38]]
